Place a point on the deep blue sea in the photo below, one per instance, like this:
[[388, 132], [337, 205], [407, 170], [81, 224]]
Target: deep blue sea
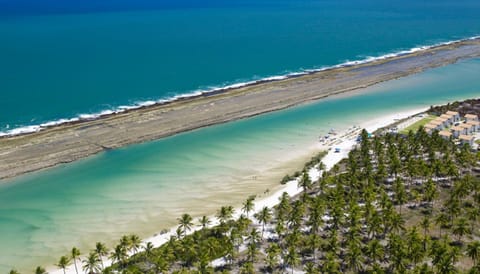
[[61, 59]]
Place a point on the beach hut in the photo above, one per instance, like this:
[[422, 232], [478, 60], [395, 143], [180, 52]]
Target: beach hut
[[445, 134], [471, 117], [475, 125], [455, 116], [457, 131], [466, 139]]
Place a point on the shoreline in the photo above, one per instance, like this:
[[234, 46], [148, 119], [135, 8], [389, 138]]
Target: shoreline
[[69, 142], [214, 90], [347, 140]]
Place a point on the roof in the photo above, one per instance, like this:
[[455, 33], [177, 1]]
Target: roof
[[473, 123], [441, 119], [473, 116], [435, 122], [447, 116], [452, 112], [465, 137], [429, 126], [465, 125], [445, 133], [455, 128]]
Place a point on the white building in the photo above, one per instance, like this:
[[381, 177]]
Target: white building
[[475, 125], [466, 139], [445, 134], [455, 116], [471, 117], [457, 131]]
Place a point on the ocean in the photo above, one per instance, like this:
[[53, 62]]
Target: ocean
[[63, 60]]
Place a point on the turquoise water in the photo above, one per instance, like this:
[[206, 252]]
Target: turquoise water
[[60, 59], [144, 188]]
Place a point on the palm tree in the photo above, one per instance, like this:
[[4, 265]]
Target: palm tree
[[225, 214], [461, 228], [310, 268], [473, 251], [102, 251], [353, 258], [148, 249], [425, 224], [135, 243], [63, 263], [305, 183], [400, 193], [75, 253], [271, 260], [248, 205], [119, 255], [40, 270], [292, 258], [442, 221], [185, 223], [264, 216], [92, 263], [374, 251], [204, 222]]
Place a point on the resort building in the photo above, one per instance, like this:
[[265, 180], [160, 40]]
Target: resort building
[[445, 121], [445, 134], [468, 128], [455, 116], [475, 125], [466, 139], [449, 118], [471, 117], [457, 131], [438, 124], [429, 128]]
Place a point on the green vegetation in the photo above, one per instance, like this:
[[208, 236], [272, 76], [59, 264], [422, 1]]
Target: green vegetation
[[397, 204], [415, 126]]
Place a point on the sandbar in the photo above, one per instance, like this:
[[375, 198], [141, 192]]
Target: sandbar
[[72, 141]]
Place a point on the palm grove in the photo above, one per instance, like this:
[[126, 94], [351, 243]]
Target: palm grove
[[397, 204]]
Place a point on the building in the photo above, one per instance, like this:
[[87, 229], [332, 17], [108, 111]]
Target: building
[[475, 125], [449, 119], [455, 116], [429, 128], [471, 117], [468, 128], [466, 139], [438, 124], [445, 134], [445, 121], [457, 131]]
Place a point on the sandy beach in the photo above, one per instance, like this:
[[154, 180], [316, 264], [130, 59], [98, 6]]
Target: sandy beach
[[69, 142], [345, 141]]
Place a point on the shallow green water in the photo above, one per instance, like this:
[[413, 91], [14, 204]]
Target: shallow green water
[[143, 188]]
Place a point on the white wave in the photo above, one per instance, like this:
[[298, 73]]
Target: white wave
[[123, 108]]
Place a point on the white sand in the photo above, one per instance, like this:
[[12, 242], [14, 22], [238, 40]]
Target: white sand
[[344, 141]]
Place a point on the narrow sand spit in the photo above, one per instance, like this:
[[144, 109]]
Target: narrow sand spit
[[69, 142]]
